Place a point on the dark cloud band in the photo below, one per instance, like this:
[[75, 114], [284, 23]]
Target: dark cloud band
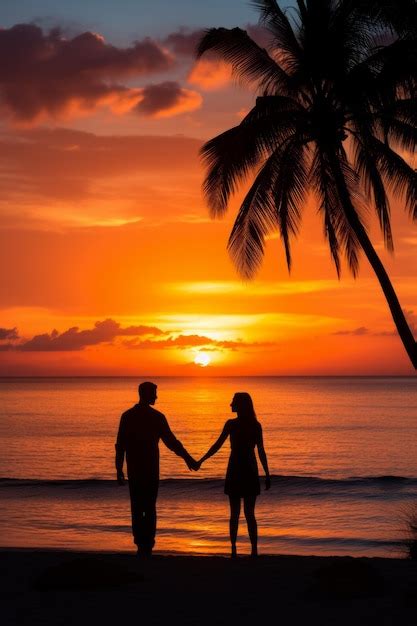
[[49, 74], [106, 331]]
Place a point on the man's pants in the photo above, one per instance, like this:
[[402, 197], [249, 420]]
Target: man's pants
[[143, 507]]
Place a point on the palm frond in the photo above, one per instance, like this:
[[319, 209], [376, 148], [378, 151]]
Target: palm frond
[[353, 35], [373, 184], [256, 218], [396, 123], [337, 229], [400, 16], [396, 67], [405, 110], [340, 67], [329, 203], [274, 18], [231, 156], [382, 79], [400, 134], [290, 190], [400, 176], [249, 62], [274, 202]]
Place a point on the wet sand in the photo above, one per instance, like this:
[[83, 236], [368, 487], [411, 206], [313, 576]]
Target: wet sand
[[57, 587]]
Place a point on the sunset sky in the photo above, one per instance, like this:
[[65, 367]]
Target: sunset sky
[[110, 264]]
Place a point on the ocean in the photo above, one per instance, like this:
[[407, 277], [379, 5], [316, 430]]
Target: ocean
[[342, 452]]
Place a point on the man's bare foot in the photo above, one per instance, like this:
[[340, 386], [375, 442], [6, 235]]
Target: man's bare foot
[[144, 553]]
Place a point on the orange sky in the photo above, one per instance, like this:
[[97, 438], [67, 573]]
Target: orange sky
[[105, 232]]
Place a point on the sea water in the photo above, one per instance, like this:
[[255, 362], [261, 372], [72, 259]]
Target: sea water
[[342, 452]]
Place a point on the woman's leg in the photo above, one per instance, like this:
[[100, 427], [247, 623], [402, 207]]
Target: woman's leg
[[234, 521], [249, 508]]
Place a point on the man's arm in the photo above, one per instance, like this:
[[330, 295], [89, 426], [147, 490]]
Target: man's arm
[[176, 446], [120, 452]]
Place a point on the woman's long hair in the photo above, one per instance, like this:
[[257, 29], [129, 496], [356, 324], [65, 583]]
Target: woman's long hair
[[245, 406]]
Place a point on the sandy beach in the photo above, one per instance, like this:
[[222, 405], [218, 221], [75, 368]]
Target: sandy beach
[[57, 587]]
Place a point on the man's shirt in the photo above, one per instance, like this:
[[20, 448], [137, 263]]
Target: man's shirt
[[140, 430]]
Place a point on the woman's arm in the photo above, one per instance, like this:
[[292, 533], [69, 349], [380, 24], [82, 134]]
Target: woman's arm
[[217, 445], [262, 458]]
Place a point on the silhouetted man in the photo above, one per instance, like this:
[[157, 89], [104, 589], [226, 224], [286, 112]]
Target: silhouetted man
[[140, 430]]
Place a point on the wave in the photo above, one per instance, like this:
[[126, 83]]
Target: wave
[[281, 485]]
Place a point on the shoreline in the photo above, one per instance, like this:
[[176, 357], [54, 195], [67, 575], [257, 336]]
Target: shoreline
[[157, 554], [49, 587]]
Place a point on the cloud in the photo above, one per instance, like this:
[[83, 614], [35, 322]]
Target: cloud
[[184, 41], [411, 241], [410, 316], [69, 177], [358, 332], [46, 75], [8, 333], [210, 74], [260, 288], [242, 113], [107, 331], [262, 36], [167, 99], [42, 155], [193, 341], [75, 339]]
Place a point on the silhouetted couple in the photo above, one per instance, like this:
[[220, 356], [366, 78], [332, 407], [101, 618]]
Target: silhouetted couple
[[140, 430]]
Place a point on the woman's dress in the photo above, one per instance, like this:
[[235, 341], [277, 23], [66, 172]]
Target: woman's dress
[[242, 478]]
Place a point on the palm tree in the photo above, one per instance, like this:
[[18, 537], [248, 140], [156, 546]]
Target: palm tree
[[336, 114]]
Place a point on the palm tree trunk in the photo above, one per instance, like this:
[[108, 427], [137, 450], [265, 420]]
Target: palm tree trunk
[[397, 313]]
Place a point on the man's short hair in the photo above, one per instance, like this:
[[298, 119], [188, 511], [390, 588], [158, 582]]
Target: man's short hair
[[146, 389]]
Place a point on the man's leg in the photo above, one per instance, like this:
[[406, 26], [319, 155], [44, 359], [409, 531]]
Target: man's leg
[[149, 521], [136, 507], [143, 507]]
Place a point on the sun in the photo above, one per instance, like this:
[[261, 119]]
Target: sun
[[202, 358]]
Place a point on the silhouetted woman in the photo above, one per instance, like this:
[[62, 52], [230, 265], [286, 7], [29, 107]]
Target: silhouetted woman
[[242, 479]]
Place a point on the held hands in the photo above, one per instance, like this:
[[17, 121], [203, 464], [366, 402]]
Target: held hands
[[121, 478], [267, 483], [193, 464]]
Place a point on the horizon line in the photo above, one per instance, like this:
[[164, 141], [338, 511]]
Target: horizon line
[[134, 376]]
